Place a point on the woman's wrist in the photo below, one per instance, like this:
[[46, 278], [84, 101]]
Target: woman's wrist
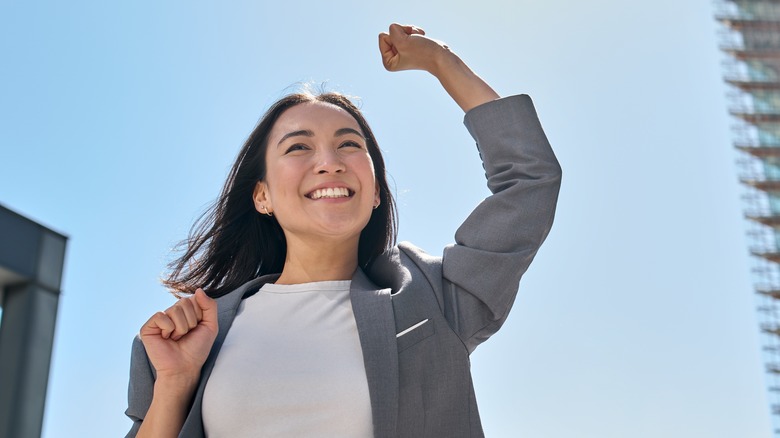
[[170, 401], [463, 85], [444, 61], [177, 384]]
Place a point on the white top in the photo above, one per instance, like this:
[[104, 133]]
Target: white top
[[291, 366]]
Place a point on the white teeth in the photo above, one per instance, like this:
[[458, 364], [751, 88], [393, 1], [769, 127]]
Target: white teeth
[[338, 192]]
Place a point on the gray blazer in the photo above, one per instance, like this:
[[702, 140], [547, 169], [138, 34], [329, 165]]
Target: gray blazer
[[419, 380]]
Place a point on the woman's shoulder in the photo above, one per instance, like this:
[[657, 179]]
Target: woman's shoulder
[[402, 264], [403, 254], [246, 290]]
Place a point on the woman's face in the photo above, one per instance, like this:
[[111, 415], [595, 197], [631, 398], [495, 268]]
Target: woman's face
[[320, 181]]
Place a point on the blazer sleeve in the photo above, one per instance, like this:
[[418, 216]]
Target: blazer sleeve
[[499, 239], [141, 386]]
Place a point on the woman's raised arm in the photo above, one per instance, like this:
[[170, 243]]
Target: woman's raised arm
[[407, 48]]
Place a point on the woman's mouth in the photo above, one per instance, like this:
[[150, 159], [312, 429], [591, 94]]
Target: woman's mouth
[[331, 193]]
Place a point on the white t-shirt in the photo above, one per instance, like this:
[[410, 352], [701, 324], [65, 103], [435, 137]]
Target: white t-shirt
[[291, 366]]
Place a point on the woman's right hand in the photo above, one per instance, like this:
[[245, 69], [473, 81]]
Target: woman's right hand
[[179, 340]]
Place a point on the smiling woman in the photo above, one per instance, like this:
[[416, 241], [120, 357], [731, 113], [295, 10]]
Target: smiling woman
[[320, 184], [303, 318], [233, 244]]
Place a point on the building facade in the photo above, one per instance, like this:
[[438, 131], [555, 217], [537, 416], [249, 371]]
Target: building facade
[[31, 266], [750, 38]]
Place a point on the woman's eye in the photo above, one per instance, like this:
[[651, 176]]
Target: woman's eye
[[351, 144], [296, 147]]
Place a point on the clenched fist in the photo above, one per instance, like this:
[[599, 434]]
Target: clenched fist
[[179, 340], [407, 48]]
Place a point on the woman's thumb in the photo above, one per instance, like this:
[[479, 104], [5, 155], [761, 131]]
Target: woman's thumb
[[397, 32], [207, 305]]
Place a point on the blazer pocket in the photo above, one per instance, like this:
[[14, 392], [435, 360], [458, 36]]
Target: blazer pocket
[[414, 334]]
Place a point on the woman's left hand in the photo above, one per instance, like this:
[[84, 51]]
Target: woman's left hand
[[407, 48]]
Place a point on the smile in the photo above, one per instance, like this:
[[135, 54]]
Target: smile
[[333, 192]]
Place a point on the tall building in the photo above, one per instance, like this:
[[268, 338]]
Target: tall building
[[750, 38]]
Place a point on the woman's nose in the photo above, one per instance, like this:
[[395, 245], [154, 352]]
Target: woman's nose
[[329, 161]]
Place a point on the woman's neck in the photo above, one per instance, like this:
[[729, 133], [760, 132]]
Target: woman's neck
[[321, 261]]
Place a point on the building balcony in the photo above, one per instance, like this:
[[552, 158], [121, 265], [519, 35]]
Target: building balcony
[[754, 11], [740, 52], [725, 11], [753, 115], [739, 22], [747, 84], [763, 184], [758, 150], [770, 255], [773, 293], [769, 219], [772, 330]]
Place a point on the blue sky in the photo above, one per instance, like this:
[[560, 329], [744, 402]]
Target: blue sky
[[119, 121]]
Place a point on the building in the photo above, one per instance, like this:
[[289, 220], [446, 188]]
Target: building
[[31, 261], [751, 40]]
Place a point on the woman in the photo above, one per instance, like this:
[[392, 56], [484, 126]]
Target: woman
[[319, 326]]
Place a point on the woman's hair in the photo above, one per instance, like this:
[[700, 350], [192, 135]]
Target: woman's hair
[[231, 243]]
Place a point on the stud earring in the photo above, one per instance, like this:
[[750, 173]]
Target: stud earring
[[265, 210]]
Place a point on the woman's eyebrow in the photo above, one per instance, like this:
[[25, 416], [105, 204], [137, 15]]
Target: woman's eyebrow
[[345, 131], [303, 132], [309, 133]]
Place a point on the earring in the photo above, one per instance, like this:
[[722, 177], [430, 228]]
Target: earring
[[377, 205], [266, 211]]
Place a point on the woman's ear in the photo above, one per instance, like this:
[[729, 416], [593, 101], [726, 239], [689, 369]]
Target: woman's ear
[[377, 198], [261, 199]]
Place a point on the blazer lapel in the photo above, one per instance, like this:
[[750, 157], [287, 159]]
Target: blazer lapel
[[373, 311]]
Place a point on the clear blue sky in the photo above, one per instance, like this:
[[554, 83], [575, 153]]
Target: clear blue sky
[[119, 120]]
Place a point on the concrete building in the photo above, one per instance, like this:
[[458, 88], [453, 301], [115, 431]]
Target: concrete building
[[31, 265]]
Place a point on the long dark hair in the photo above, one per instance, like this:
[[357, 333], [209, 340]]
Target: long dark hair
[[231, 243]]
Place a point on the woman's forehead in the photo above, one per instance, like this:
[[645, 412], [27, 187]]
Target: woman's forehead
[[313, 115]]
